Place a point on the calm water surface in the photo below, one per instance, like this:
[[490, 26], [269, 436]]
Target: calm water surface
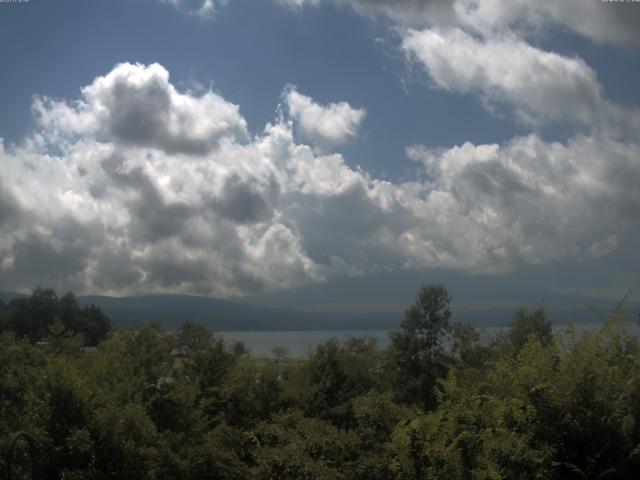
[[300, 343]]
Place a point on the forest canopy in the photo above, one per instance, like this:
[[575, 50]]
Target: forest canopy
[[443, 401], [43, 314]]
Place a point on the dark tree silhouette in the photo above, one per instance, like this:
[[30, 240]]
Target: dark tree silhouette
[[418, 348]]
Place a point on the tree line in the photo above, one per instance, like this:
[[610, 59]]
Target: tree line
[[44, 314], [443, 401]]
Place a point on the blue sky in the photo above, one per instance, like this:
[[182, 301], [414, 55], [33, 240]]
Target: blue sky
[[330, 53], [463, 141]]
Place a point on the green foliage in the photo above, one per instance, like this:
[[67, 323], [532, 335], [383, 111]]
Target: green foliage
[[467, 346], [33, 317], [251, 392], [152, 404], [293, 446], [418, 346], [529, 325], [333, 376]]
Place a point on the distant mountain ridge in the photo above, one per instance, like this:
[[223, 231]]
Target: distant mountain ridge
[[224, 315], [8, 296], [221, 315]]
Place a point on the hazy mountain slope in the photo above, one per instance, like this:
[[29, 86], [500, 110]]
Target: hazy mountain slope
[[223, 315]]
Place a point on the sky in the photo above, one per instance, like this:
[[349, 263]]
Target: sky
[[330, 153]]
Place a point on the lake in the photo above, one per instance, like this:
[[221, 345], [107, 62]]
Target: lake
[[300, 343]]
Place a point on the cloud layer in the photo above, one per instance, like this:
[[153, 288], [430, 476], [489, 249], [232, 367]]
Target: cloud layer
[[600, 21], [137, 186]]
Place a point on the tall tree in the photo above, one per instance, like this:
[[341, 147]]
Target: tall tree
[[418, 346], [527, 326]]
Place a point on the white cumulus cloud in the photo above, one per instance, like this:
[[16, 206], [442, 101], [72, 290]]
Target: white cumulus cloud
[[137, 105], [540, 86], [601, 22], [164, 208], [327, 125]]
